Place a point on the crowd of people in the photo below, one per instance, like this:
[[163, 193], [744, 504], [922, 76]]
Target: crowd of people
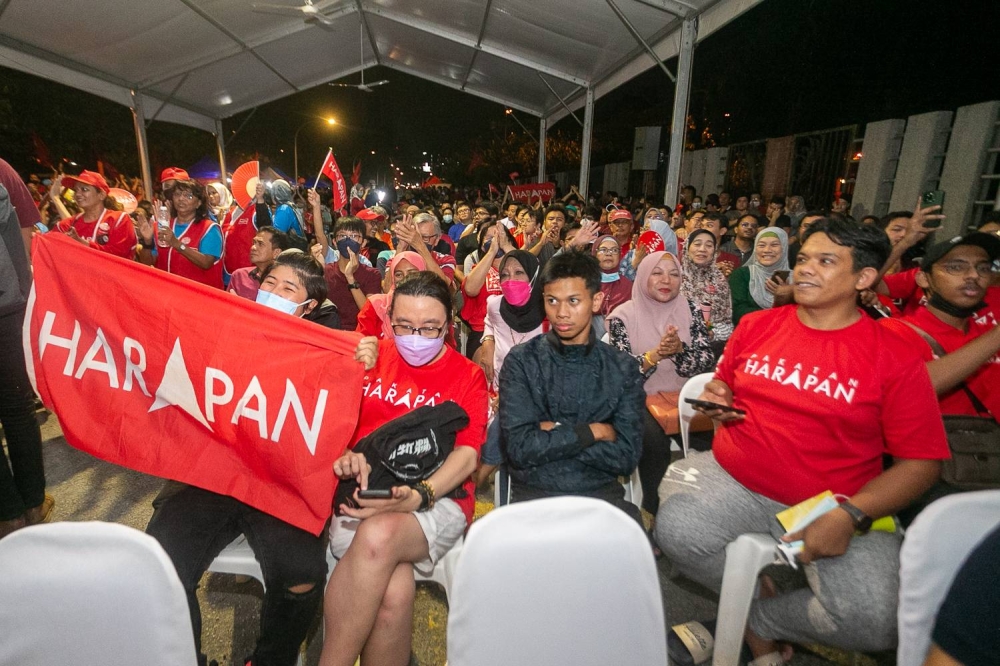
[[836, 346]]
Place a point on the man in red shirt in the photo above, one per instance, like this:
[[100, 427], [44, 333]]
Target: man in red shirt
[[20, 197], [826, 392], [956, 274]]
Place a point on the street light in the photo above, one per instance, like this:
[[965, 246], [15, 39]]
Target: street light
[[295, 142]]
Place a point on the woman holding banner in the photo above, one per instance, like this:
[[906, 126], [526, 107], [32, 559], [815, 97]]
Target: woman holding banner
[[368, 608]]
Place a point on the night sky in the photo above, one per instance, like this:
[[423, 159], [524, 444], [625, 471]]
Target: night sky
[[785, 66]]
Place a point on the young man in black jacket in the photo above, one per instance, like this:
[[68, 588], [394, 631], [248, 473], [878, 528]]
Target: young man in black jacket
[[571, 407]]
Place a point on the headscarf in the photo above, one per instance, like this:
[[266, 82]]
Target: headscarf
[[225, 198], [707, 285], [616, 291], [380, 302], [527, 317], [646, 321], [667, 234], [597, 244], [759, 275], [281, 191]]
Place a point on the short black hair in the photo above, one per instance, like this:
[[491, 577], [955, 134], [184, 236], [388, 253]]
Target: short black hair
[[489, 207], [717, 217], [279, 239], [307, 269], [424, 283], [869, 245], [568, 265], [557, 208], [568, 228], [778, 199], [885, 221], [350, 223]]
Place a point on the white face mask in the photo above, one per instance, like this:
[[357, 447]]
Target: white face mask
[[271, 300]]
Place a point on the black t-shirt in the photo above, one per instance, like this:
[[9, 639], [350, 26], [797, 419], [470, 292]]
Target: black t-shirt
[[968, 624]]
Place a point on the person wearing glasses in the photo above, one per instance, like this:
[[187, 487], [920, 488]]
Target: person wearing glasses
[[349, 282], [368, 607], [191, 245]]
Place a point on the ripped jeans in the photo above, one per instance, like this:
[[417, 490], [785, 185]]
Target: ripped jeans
[[194, 525]]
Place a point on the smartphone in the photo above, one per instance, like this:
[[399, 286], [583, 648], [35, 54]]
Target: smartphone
[[782, 274], [373, 493], [933, 198], [705, 404]]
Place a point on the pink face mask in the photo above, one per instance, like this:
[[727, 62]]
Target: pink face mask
[[516, 292]]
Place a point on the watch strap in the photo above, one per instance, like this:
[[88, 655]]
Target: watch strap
[[354, 285], [862, 521]]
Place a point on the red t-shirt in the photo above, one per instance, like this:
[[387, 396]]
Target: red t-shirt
[[20, 196], [822, 406], [113, 233], [446, 262], [394, 387], [984, 383], [910, 297], [474, 307]]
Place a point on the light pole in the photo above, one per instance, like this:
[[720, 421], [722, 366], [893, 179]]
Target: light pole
[[295, 142]]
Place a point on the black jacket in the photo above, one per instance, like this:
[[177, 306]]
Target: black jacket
[[544, 380]]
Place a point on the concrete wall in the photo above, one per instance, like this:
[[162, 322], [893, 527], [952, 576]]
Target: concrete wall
[[971, 135], [877, 169], [921, 158]]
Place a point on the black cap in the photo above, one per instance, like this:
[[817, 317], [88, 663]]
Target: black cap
[[989, 243]]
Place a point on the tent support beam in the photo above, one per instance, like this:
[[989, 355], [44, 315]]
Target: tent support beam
[[559, 97], [588, 130], [139, 121], [678, 124], [169, 98], [368, 31], [542, 127], [681, 9], [479, 44], [220, 144], [635, 34]]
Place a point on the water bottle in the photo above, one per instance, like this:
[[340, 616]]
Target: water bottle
[[162, 222]]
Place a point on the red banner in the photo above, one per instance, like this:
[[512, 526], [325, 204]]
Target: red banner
[[172, 378], [332, 171], [530, 192]]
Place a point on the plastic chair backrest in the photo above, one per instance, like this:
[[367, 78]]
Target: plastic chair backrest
[[564, 580], [692, 388], [91, 593], [937, 544]]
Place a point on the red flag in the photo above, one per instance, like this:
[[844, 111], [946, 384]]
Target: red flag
[[356, 173], [207, 398], [531, 191], [41, 151], [332, 171]]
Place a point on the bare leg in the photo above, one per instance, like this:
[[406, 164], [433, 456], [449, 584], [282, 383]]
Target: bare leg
[[761, 646], [359, 583], [389, 642]]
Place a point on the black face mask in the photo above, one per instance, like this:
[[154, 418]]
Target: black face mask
[[937, 301]]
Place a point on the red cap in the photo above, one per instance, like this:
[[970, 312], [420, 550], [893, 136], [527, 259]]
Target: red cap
[[618, 214], [174, 173], [370, 214], [91, 178]]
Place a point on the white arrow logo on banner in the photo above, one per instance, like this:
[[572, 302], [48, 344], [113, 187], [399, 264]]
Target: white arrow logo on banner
[[176, 388]]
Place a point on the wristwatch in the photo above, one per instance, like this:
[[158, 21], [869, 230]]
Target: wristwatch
[[354, 285], [862, 521], [182, 247]]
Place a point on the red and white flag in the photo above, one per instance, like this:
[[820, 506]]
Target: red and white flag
[[172, 378], [332, 171]]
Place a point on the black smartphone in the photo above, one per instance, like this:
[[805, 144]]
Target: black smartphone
[[374, 493], [705, 404], [933, 198], [783, 275]]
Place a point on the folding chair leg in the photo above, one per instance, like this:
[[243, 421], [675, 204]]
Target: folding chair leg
[[745, 558]]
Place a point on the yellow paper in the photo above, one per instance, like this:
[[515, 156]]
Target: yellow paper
[[793, 515]]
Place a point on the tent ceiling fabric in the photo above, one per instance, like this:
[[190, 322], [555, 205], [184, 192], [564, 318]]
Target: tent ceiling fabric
[[195, 61]]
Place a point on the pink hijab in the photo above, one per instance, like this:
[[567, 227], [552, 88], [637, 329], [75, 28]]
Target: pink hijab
[[646, 320], [381, 302]]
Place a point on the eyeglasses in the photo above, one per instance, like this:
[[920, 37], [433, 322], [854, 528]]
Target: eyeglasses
[[620, 223], [983, 269], [353, 237], [429, 239], [608, 250], [184, 195], [425, 332]]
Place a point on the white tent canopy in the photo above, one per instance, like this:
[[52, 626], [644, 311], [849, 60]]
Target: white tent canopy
[[195, 62]]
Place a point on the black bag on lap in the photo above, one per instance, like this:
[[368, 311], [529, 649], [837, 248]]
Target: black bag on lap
[[407, 450]]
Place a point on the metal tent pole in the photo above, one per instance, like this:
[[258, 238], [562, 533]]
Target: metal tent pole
[[220, 144], [678, 124], [139, 121], [588, 130], [542, 127]]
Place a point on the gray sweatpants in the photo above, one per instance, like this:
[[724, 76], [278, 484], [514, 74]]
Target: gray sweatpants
[[850, 601]]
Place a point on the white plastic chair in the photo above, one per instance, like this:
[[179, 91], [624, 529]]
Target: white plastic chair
[[692, 388], [745, 558], [937, 544], [558, 581], [92, 594], [633, 489]]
